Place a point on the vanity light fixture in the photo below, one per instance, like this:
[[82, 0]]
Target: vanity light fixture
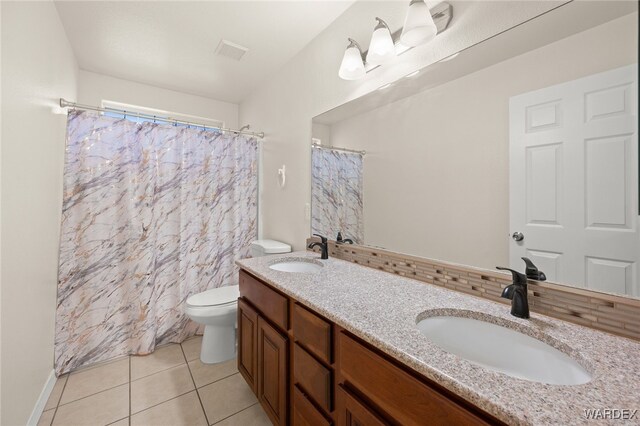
[[419, 26], [381, 47], [352, 66]]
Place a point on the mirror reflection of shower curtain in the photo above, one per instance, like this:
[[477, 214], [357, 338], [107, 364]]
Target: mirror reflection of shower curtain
[[336, 194], [152, 213]]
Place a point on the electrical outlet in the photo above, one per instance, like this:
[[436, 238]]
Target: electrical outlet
[[307, 211]]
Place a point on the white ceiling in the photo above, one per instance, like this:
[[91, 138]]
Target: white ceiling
[[172, 44]]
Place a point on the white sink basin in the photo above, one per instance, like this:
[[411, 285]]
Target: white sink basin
[[504, 350], [296, 266]]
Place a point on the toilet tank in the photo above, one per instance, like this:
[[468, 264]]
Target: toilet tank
[[266, 247]]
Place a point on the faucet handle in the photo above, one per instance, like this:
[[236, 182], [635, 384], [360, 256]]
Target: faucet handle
[[518, 278], [517, 293], [322, 238], [532, 270]]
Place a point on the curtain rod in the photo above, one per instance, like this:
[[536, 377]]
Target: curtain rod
[[335, 148], [66, 104]]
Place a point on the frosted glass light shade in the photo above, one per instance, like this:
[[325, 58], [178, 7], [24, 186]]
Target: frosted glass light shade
[[352, 67], [418, 26], [381, 47]]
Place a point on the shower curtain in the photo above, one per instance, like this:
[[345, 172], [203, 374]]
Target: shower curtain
[[152, 213], [336, 194]]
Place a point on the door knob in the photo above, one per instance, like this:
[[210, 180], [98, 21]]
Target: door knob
[[518, 236]]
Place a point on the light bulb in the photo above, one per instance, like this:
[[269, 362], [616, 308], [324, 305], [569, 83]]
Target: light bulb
[[418, 26], [352, 67], [381, 47]]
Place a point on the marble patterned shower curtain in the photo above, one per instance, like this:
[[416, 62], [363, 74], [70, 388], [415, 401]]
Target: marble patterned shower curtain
[[336, 194], [152, 213]]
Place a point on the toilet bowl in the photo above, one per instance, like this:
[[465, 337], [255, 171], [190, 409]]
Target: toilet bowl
[[216, 309]]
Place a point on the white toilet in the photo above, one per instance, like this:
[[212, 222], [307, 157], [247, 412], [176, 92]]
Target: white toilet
[[265, 247], [217, 310]]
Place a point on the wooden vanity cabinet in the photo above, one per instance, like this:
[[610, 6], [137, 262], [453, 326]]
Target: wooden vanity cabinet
[[314, 333], [272, 372], [307, 371], [263, 345], [248, 344], [353, 412], [394, 393], [304, 412]]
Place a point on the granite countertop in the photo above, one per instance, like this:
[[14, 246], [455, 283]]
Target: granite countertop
[[383, 309]]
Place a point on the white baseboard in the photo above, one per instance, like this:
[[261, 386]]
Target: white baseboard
[[42, 400]]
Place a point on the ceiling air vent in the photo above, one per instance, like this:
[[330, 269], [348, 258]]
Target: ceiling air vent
[[231, 50]]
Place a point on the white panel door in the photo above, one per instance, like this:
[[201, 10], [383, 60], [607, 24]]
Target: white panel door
[[574, 181]]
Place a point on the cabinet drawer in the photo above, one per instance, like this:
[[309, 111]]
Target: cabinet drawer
[[312, 332], [402, 396], [352, 412], [304, 413], [313, 377], [273, 305]]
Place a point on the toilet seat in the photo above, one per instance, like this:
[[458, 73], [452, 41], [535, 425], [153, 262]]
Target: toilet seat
[[221, 296]]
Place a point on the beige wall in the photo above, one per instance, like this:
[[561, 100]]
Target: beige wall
[[0, 223], [38, 68], [322, 132], [309, 85], [94, 88], [438, 161]]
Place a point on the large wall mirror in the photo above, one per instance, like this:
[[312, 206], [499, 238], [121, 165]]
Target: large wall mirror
[[522, 145]]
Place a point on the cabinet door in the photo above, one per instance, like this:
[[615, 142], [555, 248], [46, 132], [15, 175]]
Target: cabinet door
[[351, 412], [272, 372], [247, 344]]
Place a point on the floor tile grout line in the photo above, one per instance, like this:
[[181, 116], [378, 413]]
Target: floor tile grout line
[[129, 383], [156, 372], [59, 399], [120, 384], [116, 421], [178, 396], [217, 380], [66, 380], [121, 358], [98, 364], [201, 404], [160, 403], [93, 394], [238, 412], [206, 419]]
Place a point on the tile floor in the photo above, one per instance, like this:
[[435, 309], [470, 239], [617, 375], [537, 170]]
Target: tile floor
[[169, 387]]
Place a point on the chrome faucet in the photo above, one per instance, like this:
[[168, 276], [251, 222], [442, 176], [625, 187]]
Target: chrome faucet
[[517, 292], [324, 246]]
